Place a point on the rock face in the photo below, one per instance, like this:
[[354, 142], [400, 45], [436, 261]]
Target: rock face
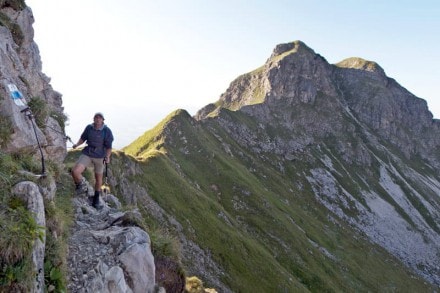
[[20, 65], [300, 88], [352, 112]]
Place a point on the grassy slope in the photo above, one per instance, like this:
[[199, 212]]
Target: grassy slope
[[275, 230]]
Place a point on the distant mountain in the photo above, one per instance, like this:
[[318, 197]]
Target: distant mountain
[[303, 176]]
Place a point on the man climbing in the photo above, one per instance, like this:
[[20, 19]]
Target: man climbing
[[99, 140]]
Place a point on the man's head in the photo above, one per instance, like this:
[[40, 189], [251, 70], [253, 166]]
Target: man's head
[[98, 120], [99, 115]]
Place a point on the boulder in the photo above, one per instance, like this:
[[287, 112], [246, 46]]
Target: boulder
[[30, 194]]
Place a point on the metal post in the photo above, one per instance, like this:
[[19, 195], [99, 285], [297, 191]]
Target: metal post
[[29, 114]]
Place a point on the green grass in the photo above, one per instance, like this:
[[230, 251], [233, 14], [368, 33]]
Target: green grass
[[5, 130], [40, 110], [10, 165], [60, 117], [152, 139], [256, 262], [59, 217], [19, 232], [275, 229]]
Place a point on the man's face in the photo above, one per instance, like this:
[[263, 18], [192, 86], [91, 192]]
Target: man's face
[[98, 120]]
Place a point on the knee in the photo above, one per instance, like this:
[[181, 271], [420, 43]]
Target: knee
[[76, 171]]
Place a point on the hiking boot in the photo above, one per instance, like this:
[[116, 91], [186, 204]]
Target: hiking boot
[[98, 206], [96, 202], [81, 187]]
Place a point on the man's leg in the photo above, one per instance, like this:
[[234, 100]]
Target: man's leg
[[98, 181], [77, 171], [99, 168], [81, 164], [80, 185]]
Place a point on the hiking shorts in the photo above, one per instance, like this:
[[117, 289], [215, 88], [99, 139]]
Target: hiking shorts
[[97, 163]]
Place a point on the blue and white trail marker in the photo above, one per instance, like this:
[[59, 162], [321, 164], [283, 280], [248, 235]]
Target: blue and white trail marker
[[20, 101], [16, 95]]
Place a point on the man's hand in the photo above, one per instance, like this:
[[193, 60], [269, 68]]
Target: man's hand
[[107, 160]]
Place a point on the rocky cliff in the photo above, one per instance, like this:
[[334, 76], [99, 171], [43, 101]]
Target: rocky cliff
[[39, 252], [295, 76], [21, 66]]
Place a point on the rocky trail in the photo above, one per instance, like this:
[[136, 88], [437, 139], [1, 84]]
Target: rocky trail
[[106, 252]]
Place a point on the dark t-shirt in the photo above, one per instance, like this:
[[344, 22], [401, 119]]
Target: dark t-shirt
[[98, 141]]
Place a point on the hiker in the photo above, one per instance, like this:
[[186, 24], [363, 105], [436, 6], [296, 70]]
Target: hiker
[[99, 140]]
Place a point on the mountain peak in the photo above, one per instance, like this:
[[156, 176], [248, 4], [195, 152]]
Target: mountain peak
[[288, 48], [310, 147], [295, 77], [361, 64], [293, 72]]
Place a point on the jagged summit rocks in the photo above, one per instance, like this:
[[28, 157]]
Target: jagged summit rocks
[[294, 72], [361, 64], [306, 92]]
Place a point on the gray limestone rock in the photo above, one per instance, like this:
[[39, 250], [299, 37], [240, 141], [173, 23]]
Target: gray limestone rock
[[30, 194], [20, 64]]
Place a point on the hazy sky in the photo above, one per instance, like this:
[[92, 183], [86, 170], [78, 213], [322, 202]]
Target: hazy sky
[[138, 60]]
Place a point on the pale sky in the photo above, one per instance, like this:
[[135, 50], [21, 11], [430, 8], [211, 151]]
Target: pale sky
[[138, 60]]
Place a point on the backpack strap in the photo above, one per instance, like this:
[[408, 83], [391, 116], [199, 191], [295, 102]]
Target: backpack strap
[[89, 127], [104, 130]]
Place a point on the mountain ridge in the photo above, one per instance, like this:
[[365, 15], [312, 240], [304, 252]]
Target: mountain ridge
[[348, 137]]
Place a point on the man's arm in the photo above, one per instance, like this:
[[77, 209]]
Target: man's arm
[[108, 141], [82, 138], [80, 142], [108, 153]]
